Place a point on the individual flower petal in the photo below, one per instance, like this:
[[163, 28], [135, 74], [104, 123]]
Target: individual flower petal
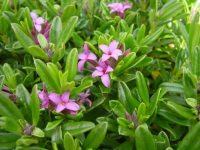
[[86, 48], [109, 69], [105, 57], [104, 48], [113, 45], [65, 97], [81, 65], [92, 56], [33, 15], [55, 98], [39, 21], [82, 56], [97, 73], [72, 106], [60, 107], [105, 80], [38, 27]]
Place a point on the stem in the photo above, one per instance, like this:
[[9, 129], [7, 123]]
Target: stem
[[54, 146]]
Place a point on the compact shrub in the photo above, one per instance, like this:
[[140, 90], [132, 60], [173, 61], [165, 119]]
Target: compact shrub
[[91, 74]]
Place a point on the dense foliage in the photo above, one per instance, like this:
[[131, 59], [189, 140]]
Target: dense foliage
[[99, 74]]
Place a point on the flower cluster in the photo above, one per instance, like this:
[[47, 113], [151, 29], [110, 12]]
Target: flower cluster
[[119, 8], [40, 25], [106, 63], [62, 102]]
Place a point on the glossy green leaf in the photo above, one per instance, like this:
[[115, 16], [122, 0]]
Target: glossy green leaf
[[126, 97], [68, 142], [23, 94], [142, 88], [75, 128], [8, 108], [35, 105], [84, 85], [94, 139], [53, 124], [67, 31], [117, 108], [56, 29], [37, 52], [71, 64], [24, 40], [144, 138], [2, 77], [10, 125]]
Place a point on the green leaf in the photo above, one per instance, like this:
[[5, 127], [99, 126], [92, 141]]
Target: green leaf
[[71, 64], [142, 88], [23, 94], [181, 110], [144, 138], [96, 136], [68, 142], [37, 132], [56, 29], [24, 40], [53, 124], [152, 37], [35, 106], [37, 52], [125, 131], [191, 102], [10, 125], [67, 31], [8, 108], [2, 77], [42, 40], [172, 87], [191, 140], [117, 108], [75, 128], [10, 76], [84, 85], [7, 140], [126, 97], [69, 11], [47, 76]]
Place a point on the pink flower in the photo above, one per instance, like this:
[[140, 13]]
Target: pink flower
[[62, 102], [84, 57], [119, 8], [37, 21], [110, 51], [84, 98], [102, 70], [43, 95]]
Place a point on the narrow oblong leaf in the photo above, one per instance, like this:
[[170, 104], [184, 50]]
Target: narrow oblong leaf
[[37, 52], [117, 108], [96, 136], [35, 106], [142, 87], [8, 108], [71, 64], [144, 138], [55, 31], [75, 128], [69, 143]]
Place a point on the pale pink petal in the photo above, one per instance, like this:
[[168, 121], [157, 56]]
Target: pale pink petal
[[82, 56], [65, 97], [55, 98], [102, 63], [99, 68], [113, 45], [97, 73], [105, 80], [86, 49], [39, 21], [104, 48], [33, 15], [72, 106], [38, 27], [41, 95], [105, 57], [109, 69], [92, 56], [81, 65], [60, 107]]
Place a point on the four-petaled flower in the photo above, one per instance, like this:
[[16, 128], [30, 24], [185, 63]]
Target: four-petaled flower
[[102, 70], [85, 56], [119, 8], [110, 51], [37, 21], [62, 102]]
